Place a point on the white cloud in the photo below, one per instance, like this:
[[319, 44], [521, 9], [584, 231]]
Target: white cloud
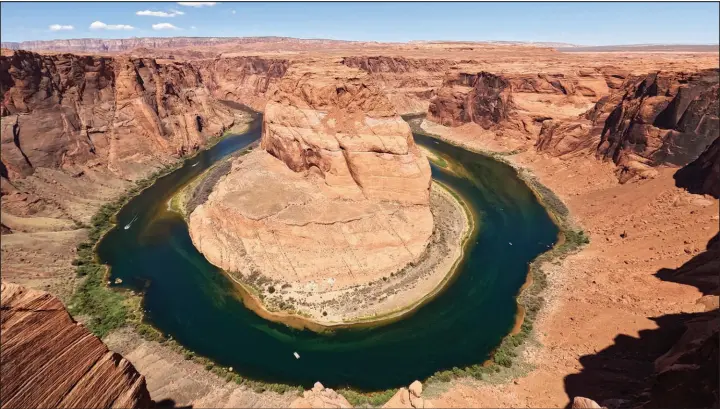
[[193, 27], [58, 27], [233, 11], [99, 25], [197, 3], [164, 26], [151, 13]]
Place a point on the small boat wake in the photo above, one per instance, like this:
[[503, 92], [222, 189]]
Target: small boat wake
[[127, 226]]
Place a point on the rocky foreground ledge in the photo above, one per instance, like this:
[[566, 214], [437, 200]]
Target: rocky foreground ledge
[[337, 201], [51, 361]]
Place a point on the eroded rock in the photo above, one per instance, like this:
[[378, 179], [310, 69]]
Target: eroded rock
[[338, 194], [320, 397], [49, 360]]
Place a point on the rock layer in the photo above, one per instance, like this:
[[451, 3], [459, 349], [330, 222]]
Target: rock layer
[[49, 360], [132, 114], [483, 98], [659, 119], [339, 192]]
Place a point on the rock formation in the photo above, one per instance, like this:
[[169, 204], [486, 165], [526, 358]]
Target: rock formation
[[320, 397], [50, 361], [409, 83], [584, 403], [338, 192], [131, 114], [483, 98], [663, 119], [703, 174], [409, 398], [659, 119], [242, 79]]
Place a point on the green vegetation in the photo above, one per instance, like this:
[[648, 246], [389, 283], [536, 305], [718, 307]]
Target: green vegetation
[[107, 310], [104, 308], [530, 299], [370, 398]]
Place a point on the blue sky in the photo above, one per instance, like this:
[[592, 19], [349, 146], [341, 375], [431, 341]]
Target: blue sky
[[579, 23]]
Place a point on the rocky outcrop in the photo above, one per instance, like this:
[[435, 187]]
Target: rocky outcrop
[[242, 79], [386, 64], [338, 195], [409, 83], [49, 360], [320, 397], [584, 403], [409, 398], [703, 174], [659, 119], [129, 114], [483, 98], [664, 118]]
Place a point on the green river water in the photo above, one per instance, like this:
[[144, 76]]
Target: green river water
[[194, 302]]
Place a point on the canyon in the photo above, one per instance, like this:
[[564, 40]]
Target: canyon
[[629, 141]]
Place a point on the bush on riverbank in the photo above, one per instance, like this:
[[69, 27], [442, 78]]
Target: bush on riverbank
[[364, 399], [104, 308]]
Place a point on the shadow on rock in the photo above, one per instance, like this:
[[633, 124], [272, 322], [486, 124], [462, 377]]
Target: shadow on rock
[[169, 403], [672, 366]]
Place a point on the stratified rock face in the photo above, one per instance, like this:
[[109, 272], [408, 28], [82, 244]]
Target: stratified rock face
[[664, 118], [409, 83], [703, 174], [338, 191], [50, 361], [659, 119], [482, 98], [245, 79], [131, 114]]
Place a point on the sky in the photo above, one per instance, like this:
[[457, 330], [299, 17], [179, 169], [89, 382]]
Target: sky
[[577, 23]]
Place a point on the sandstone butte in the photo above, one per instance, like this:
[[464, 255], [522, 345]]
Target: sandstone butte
[[627, 140], [51, 361], [338, 191]]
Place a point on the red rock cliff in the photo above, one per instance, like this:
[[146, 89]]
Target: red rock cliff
[[50, 361]]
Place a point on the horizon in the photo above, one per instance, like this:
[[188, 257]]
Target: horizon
[[364, 41], [615, 23]]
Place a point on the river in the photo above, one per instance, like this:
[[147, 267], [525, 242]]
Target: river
[[194, 302]]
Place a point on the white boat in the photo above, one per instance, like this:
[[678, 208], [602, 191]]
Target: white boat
[[297, 356], [127, 226], [194, 164], [510, 243]]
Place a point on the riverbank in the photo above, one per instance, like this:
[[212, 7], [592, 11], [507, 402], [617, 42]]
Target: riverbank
[[607, 290]]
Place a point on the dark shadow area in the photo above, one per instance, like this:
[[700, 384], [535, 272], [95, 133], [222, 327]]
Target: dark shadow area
[[702, 176], [673, 366], [169, 403], [702, 271]]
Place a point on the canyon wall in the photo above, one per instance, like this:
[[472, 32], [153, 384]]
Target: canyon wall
[[659, 119], [242, 79], [49, 360], [129, 114], [409, 83], [99, 45]]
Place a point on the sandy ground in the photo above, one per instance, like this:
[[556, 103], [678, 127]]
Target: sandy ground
[[609, 289]]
